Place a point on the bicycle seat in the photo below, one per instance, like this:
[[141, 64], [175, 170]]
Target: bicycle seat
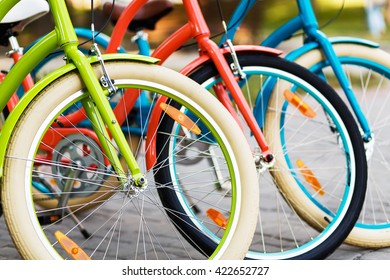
[[146, 17], [23, 13]]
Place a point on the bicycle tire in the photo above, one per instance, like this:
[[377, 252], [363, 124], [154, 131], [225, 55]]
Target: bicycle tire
[[36, 241], [368, 70], [318, 244]]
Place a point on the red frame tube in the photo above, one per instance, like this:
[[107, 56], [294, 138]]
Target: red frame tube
[[196, 28]]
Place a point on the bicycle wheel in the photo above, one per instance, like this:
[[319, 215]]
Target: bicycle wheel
[[323, 141], [368, 70], [131, 223]]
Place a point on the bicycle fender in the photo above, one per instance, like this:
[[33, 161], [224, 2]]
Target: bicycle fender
[[150, 155], [260, 110], [295, 54], [15, 114], [204, 58]]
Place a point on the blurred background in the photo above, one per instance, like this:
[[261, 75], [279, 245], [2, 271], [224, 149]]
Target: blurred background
[[336, 17]]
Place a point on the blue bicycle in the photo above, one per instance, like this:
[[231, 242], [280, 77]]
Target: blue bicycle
[[359, 70]]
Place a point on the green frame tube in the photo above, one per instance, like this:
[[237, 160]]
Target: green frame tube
[[65, 37]]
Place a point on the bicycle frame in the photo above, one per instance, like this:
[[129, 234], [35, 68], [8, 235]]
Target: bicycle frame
[[65, 37], [197, 29], [306, 20]]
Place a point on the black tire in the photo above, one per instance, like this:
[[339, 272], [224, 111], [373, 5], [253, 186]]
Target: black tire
[[293, 198]]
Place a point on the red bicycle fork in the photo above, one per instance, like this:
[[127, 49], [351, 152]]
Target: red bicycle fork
[[197, 29]]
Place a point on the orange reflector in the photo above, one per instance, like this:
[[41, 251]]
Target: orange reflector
[[217, 217], [71, 247], [54, 218], [296, 101], [180, 118], [310, 177]]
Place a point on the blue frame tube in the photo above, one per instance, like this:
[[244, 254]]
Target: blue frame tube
[[306, 21]]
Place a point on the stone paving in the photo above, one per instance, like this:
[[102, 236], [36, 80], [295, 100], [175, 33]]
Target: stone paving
[[344, 252]]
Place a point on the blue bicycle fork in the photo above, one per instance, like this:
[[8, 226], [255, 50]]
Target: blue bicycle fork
[[307, 21]]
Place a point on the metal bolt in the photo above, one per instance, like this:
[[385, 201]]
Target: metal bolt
[[141, 181]]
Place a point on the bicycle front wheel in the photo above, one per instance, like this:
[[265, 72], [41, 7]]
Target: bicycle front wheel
[[319, 174], [122, 221], [368, 71]]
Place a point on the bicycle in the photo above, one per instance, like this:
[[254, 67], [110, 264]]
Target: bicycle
[[49, 149], [258, 61], [359, 70]]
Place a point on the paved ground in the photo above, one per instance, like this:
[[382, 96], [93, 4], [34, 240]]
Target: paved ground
[[8, 251], [345, 252]]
